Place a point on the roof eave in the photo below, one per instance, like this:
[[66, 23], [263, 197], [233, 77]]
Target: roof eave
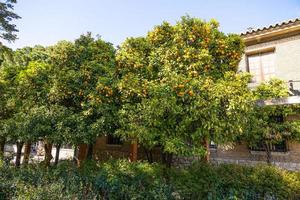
[[269, 35]]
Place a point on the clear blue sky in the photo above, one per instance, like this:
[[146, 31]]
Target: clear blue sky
[[47, 21]]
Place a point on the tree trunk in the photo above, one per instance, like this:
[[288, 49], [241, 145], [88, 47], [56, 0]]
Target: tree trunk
[[19, 154], [90, 151], [27, 151], [58, 146], [151, 156], [75, 154], [133, 151], [268, 152], [82, 153], [2, 145], [148, 153], [207, 155], [48, 153], [167, 159]]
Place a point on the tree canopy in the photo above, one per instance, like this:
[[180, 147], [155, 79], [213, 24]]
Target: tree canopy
[[82, 81], [7, 28], [176, 88], [59, 94], [179, 87]]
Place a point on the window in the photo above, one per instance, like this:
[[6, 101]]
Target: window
[[279, 147], [113, 140], [261, 66], [212, 145]]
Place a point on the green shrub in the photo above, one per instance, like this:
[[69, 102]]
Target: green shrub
[[112, 180], [202, 181], [124, 180]]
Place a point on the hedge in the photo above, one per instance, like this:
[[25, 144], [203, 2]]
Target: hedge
[[124, 180], [231, 181]]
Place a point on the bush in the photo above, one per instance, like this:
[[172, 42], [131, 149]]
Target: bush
[[112, 180], [124, 180], [202, 181]]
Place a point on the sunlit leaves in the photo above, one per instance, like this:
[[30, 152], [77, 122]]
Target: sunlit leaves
[[82, 81], [61, 93], [179, 87]]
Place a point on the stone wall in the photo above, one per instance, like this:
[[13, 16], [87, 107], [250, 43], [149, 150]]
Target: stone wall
[[240, 154], [183, 161], [284, 165]]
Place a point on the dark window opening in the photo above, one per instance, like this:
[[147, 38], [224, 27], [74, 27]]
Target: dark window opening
[[278, 147], [113, 140]]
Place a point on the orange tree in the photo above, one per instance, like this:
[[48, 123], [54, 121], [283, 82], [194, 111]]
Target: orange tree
[[81, 82], [180, 88], [5, 113], [26, 75], [60, 94], [11, 66]]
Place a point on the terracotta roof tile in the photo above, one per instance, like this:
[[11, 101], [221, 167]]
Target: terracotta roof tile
[[272, 26]]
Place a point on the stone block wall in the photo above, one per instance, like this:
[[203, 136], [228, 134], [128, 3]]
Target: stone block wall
[[182, 161], [238, 153], [241, 154]]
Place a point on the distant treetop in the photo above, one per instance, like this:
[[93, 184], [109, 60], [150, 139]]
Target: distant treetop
[[7, 29]]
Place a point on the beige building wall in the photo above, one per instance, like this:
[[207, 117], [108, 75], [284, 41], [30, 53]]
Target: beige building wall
[[287, 57], [287, 67]]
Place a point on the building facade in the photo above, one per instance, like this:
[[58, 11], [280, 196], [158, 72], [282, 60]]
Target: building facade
[[272, 51]]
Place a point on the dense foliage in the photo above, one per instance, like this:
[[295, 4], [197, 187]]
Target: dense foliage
[[269, 124], [176, 88], [236, 182], [83, 75], [124, 180], [113, 180], [59, 94], [179, 87]]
